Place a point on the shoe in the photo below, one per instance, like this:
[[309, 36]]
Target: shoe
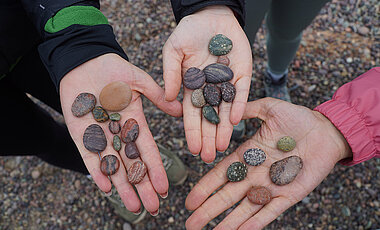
[[238, 131], [277, 90]]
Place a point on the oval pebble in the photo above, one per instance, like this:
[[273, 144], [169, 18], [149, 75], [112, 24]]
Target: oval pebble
[[254, 157], [136, 172], [114, 127], [115, 96], [116, 143], [212, 94], [131, 150], [286, 144], [130, 131], [228, 91], [194, 78], [115, 116], [197, 98], [259, 195], [218, 73], [83, 104], [100, 115], [220, 45], [94, 139], [109, 165], [224, 60], [237, 171], [210, 114], [284, 171]]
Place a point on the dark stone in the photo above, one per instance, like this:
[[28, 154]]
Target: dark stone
[[109, 165], [100, 114], [194, 78], [210, 114], [116, 143], [220, 45], [130, 131], [284, 171], [197, 98], [259, 195], [94, 139], [218, 73], [224, 60], [136, 172], [131, 150], [254, 157], [115, 117], [83, 104], [228, 91], [212, 94], [237, 171], [286, 144], [114, 127]]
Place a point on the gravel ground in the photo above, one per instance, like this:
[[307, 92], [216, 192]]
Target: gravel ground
[[341, 44]]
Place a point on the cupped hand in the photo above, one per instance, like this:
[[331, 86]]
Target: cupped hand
[[319, 144], [91, 77], [188, 47]]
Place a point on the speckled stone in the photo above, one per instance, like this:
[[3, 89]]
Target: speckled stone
[[286, 144], [100, 115], [115, 96], [197, 98], [83, 104], [109, 165], [114, 127], [237, 171], [284, 171], [220, 45], [228, 91], [224, 60], [259, 195], [131, 150], [210, 114], [116, 143], [115, 116], [194, 78], [218, 73], [94, 139], [212, 94], [254, 157], [130, 131], [136, 172]]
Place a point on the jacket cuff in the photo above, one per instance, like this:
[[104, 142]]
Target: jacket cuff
[[349, 122]]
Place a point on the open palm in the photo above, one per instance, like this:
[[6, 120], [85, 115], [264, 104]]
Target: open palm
[[319, 144], [91, 77], [188, 47]]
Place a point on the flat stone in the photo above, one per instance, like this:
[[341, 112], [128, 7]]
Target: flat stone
[[83, 104], [100, 114], [194, 78], [197, 98], [220, 45], [212, 94], [218, 73], [131, 150], [136, 172], [114, 127], [116, 143], [115, 116], [109, 165], [259, 195], [115, 96], [286, 144], [254, 157], [237, 171], [130, 131], [228, 91], [284, 171], [210, 114], [94, 139], [224, 60]]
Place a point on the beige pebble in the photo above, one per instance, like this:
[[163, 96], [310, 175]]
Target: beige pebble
[[115, 96]]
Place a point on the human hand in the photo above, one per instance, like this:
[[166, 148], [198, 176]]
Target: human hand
[[91, 77], [188, 47], [319, 144]]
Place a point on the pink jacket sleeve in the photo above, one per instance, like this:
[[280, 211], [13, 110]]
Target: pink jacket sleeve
[[355, 111]]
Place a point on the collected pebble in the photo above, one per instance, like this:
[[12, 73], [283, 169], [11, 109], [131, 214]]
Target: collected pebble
[[109, 165], [284, 171], [116, 143], [254, 157], [218, 73], [94, 139], [115, 116], [220, 45], [100, 115], [228, 91], [197, 98], [114, 127], [115, 96], [237, 171], [212, 94], [286, 144], [136, 172], [83, 104], [130, 131], [210, 114], [224, 60], [194, 78], [259, 195], [131, 150]]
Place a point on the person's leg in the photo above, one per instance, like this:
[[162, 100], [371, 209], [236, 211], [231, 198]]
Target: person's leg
[[255, 13]]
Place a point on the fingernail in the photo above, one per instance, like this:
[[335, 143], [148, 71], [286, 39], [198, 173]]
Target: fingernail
[[155, 213], [108, 193], [138, 212], [165, 195], [195, 155]]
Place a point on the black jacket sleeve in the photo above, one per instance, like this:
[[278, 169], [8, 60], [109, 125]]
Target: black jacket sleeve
[[182, 8]]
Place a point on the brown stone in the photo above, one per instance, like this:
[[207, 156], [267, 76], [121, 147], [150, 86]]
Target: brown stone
[[284, 171], [136, 172], [115, 96], [94, 139], [130, 131], [259, 195], [224, 60], [114, 127], [83, 104], [131, 150], [109, 165], [100, 115]]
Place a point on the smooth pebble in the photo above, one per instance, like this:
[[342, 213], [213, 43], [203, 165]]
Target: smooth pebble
[[210, 114], [218, 73], [100, 115], [115, 96], [220, 45], [131, 150], [237, 171], [212, 94], [197, 98], [114, 127], [136, 172], [259, 195], [116, 143], [194, 78], [286, 144], [130, 131], [284, 171], [83, 104], [228, 91], [94, 139], [254, 157], [109, 165]]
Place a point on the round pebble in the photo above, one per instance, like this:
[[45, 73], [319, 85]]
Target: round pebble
[[218, 73], [136, 172], [115, 96], [254, 157], [114, 127], [220, 45], [284, 171], [237, 171], [197, 98], [83, 104], [100, 115], [286, 144], [259, 195], [194, 78], [115, 116], [224, 60], [94, 139], [116, 143], [212, 94], [131, 150], [228, 91], [210, 114], [130, 131], [109, 165]]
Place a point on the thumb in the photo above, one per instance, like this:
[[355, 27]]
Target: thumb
[[172, 63], [260, 108]]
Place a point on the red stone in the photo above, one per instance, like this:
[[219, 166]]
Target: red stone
[[130, 131], [259, 195]]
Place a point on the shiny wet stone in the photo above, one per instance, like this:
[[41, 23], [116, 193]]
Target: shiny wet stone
[[109, 165], [286, 144], [100, 114], [131, 150], [116, 143], [259, 195], [220, 45], [115, 96], [130, 131], [94, 139], [254, 157], [210, 114], [194, 78], [212, 94], [115, 116], [218, 73], [284, 171], [228, 91], [83, 104], [136, 172], [237, 171], [197, 98]]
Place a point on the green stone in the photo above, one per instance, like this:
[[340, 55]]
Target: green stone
[[115, 116], [116, 143], [220, 45], [100, 114], [286, 144], [237, 171], [210, 114]]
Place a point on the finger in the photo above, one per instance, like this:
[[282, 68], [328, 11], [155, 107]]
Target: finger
[[208, 152], [192, 118], [172, 64], [260, 108], [238, 105], [224, 128]]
